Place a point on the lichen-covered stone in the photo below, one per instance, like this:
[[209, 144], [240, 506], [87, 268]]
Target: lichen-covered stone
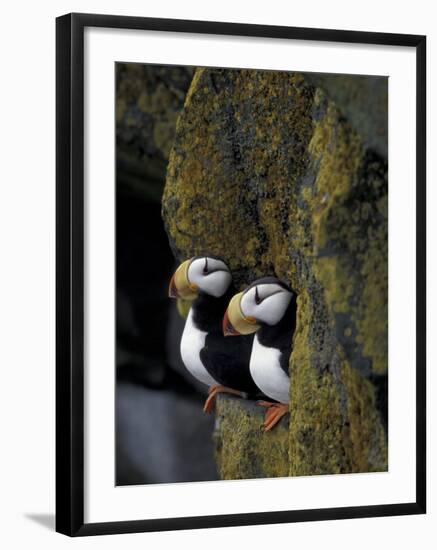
[[267, 172], [149, 99], [363, 100], [241, 452]]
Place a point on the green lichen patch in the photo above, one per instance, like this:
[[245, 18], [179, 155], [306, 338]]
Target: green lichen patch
[[364, 437], [317, 411], [350, 232], [243, 450]]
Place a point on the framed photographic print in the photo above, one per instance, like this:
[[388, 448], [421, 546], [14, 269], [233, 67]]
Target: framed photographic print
[[240, 274]]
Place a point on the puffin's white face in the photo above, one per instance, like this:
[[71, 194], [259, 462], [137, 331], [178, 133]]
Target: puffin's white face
[[210, 276], [267, 303]]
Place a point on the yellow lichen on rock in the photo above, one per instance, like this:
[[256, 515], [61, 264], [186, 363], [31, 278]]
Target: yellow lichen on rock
[[267, 172], [365, 440], [241, 451], [316, 445]]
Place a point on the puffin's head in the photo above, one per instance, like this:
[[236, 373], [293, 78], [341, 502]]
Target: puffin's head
[[264, 302], [201, 274]]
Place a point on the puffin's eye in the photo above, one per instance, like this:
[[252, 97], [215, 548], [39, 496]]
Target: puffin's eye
[[205, 267], [257, 298]]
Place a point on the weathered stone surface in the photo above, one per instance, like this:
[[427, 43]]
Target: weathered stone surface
[[363, 100], [268, 173], [241, 452], [149, 100]]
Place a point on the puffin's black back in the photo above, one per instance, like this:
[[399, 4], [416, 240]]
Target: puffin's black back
[[225, 358]]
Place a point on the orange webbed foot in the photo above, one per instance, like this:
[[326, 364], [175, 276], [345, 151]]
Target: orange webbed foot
[[274, 413], [212, 394]]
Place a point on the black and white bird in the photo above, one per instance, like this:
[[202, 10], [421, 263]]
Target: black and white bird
[[220, 363], [268, 308]]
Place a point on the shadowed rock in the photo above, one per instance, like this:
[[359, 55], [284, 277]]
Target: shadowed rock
[[364, 101], [149, 99]]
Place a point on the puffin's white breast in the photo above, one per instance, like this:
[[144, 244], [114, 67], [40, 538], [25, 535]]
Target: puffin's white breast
[[193, 340], [267, 373]]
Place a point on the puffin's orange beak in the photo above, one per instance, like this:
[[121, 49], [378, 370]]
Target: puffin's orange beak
[[235, 323], [228, 327], [180, 286]]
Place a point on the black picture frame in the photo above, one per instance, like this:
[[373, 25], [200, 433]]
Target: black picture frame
[[70, 276]]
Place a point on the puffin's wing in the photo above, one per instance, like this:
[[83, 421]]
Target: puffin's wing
[[217, 362], [284, 344], [284, 362], [229, 369]]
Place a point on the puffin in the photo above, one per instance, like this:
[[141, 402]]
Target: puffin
[[267, 308], [218, 362]]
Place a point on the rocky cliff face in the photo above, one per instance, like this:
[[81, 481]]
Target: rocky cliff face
[[269, 173], [149, 100]]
